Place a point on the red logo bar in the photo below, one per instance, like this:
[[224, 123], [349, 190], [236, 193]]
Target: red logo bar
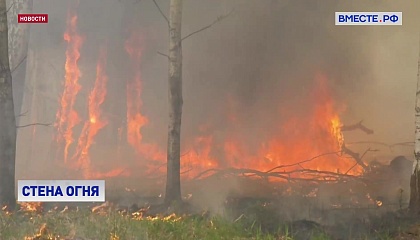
[[32, 18]]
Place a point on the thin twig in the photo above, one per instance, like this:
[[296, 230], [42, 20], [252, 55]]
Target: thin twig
[[186, 171], [311, 175], [164, 164], [351, 168], [22, 114], [11, 5], [390, 146], [35, 124], [163, 54], [304, 161], [239, 218], [21, 61], [358, 125], [355, 156], [160, 10], [368, 150], [403, 144], [281, 166], [220, 18], [368, 142]]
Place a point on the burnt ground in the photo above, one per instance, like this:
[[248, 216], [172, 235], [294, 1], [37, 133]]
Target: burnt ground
[[270, 216], [344, 210], [351, 223], [370, 207]]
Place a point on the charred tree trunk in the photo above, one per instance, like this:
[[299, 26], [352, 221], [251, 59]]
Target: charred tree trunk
[[173, 181], [415, 176], [7, 118]]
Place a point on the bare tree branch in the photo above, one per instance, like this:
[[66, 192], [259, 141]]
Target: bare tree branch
[[35, 124], [220, 18], [316, 175], [304, 161], [163, 54], [21, 61], [389, 146], [11, 5], [310, 175], [368, 150], [22, 114], [410, 144], [160, 10], [355, 156], [369, 142], [358, 125]]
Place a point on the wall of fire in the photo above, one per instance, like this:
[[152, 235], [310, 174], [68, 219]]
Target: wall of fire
[[249, 84]]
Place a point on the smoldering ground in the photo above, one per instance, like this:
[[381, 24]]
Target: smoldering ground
[[261, 58]]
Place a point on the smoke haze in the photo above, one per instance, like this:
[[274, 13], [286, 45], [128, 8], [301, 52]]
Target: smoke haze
[[257, 65]]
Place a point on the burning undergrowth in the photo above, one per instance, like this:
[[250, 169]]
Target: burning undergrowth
[[258, 218], [262, 135], [301, 145], [108, 222], [313, 131]]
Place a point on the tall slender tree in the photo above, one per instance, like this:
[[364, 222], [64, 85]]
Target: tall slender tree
[[173, 181], [7, 117], [415, 177], [18, 47]]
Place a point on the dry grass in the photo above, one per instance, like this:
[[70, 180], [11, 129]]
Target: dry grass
[[83, 224], [106, 223]]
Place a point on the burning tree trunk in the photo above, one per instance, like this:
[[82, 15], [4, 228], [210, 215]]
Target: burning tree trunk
[[7, 117], [173, 182], [415, 176]]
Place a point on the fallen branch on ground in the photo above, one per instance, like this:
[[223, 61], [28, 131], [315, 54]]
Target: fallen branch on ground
[[360, 159], [304, 161], [355, 156], [309, 174]]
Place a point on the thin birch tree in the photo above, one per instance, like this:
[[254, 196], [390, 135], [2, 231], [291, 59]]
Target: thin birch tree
[[18, 46], [7, 118], [415, 176], [173, 178], [173, 181]]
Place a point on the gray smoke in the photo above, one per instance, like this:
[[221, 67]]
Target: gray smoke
[[264, 56]]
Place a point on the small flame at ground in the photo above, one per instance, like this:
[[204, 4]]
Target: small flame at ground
[[30, 206]]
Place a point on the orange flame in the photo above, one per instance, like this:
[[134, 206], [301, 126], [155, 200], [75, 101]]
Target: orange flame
[[135, 119], [316, 132], [67, 117], [199, 157], [122, 172], [30, 206], [95, 121]]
